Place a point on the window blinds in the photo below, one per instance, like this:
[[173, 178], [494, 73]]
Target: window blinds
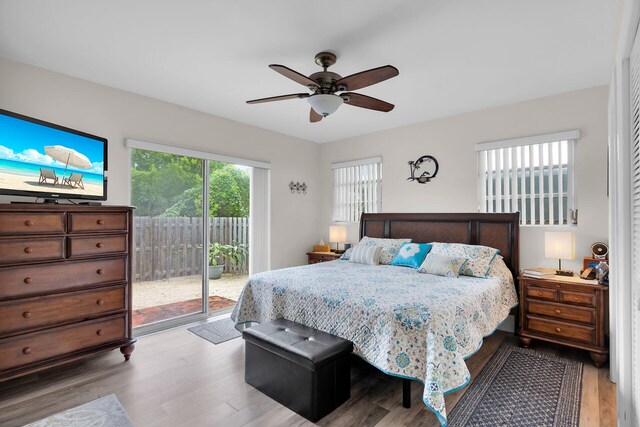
[[357, 188], [533, 176], [259, 229]]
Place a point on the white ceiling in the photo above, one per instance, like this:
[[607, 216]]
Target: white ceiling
[[454, 56]]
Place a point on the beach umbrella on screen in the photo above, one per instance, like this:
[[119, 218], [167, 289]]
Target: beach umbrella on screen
[[68, 156]]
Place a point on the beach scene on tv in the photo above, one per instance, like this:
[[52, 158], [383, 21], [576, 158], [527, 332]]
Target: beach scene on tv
[[39, 158]]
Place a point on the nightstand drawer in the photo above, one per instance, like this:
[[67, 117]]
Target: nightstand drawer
[[563, 312], [585, 334], [580, 298], [542, 293]]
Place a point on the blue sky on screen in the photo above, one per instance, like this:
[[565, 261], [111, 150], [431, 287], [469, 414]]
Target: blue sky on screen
[[25, 141]]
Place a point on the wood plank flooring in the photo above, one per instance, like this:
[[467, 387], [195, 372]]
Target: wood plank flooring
[[177, 379]]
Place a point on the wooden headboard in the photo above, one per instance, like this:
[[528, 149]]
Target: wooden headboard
[[498, 231]]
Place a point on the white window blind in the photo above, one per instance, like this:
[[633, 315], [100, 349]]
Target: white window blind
[[533, 176], [357, 188]]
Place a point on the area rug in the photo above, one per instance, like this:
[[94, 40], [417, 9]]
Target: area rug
[[216, 332], [103, 412], [522, 387]]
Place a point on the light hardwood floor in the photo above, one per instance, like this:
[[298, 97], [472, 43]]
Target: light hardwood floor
[[177, 379]]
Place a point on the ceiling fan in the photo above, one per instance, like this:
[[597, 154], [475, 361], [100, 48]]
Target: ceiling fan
[[325, 84]]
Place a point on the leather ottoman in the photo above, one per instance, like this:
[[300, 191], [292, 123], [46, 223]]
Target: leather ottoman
[[302, 368]]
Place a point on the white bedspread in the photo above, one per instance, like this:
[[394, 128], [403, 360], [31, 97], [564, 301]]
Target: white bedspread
[[405, 323]]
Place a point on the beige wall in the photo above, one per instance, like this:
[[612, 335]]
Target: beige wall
[[451, 140], [116, 115]]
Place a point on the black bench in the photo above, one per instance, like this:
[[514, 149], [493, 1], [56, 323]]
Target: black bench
[[302, 368]]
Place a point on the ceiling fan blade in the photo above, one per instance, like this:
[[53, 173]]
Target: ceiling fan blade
[[314, 117], [368, 78], [278, 98], [294, 75], [364, 101]]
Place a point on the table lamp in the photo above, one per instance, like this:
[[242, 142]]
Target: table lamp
[[560, 245], [337, 234]]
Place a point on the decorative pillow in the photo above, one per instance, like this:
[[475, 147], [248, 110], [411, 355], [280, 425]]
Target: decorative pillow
[[442, 265], [411, 254], [369, 255], [345, 256], [390, 247], [480, 257]]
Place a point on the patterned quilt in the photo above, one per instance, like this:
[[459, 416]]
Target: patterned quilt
[[407, 324]]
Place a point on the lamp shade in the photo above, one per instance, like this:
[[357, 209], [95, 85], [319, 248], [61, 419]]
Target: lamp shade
[[324, 104], [559, 244], [337, 233]]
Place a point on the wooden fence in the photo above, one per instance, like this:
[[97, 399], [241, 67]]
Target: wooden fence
[[172, 246]]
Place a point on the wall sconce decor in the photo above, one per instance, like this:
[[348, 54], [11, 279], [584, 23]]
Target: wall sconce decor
[[298, 188], [430, 172]]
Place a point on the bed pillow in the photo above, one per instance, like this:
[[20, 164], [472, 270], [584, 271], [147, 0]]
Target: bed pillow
[[345, 256], [411, 254], [442, 265], [480, 257], [366, 254], [389, 247]]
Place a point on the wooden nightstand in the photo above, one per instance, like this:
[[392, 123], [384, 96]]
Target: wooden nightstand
[[315, 257], [565, 310]]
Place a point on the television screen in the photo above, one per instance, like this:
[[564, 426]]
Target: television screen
[[45, 160]]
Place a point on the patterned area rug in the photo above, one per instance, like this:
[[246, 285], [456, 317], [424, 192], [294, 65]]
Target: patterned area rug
[[103, 412], [522, 387], [216, 332]]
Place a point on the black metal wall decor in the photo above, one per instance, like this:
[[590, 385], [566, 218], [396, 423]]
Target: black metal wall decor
[[298, 188], [431, 169]]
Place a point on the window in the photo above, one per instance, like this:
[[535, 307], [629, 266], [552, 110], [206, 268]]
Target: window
[[533, 176], [357, 188]]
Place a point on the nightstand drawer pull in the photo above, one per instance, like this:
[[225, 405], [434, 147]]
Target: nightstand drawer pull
[[558, 311], [100, 222], [26, 314], [100, 302], [28, 250], [540, 294], [100, 332], [26, 350], [28, 223], [100, 245], [99, 271], [28, 280], [558, 330]]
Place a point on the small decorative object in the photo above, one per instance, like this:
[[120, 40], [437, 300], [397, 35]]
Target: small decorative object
[[602, 273], [560, 245], [298, 188], [574, 216], [600, 250], [428, 174], [337, 234]]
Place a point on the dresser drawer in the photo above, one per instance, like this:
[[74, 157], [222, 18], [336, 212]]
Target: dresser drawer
[[541, 293], [31, 223], [39, 346], [25, 250], [57, 309], [563, 312], [34, 279], [573, 332], [580, 298], [97, 245], [83, 222]]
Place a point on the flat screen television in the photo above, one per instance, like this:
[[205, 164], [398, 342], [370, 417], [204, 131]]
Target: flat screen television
[[49, 161]]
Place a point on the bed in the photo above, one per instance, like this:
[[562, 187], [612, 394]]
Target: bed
[[407, 324]]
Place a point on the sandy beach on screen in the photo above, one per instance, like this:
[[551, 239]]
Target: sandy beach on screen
[[11, 181]]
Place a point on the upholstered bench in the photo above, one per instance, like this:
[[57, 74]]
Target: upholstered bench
[[304, 369]]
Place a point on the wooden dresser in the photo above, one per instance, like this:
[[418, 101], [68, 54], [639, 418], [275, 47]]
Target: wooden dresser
[[568, 311], [65, 289]]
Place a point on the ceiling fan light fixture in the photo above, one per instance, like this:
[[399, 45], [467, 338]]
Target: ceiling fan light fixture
[[325, 104]]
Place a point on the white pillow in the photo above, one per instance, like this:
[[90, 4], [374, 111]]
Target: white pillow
[[390, 247], [362, 254]]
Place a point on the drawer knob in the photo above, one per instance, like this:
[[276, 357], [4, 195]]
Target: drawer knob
[[100, 332], [28, 223], [558, 311], [26, 350], [539, 293], [99, 271], [28, 280], [26, 314], [558, 330], [28, 250], [576, 299], [100, 221], [100, 245], [557, 286], [100, 302]]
